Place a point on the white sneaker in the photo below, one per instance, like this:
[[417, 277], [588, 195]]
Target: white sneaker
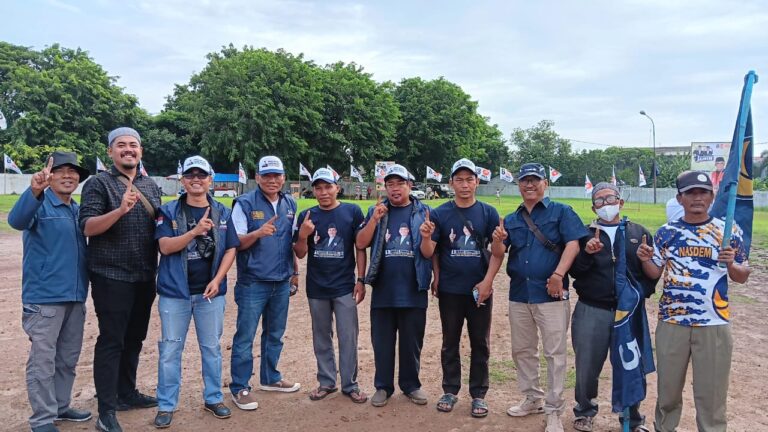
[[245, 400], [553, 423], [529, 405]]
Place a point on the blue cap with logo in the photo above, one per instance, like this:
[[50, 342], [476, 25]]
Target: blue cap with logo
[[531, 169], [464, 163], [270, 165], [197, 162], [323, 174]]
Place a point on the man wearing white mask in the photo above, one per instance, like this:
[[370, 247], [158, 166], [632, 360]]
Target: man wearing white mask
[[593, 316]]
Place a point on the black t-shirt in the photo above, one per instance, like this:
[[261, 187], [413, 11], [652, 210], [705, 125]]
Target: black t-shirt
[[396, 285]]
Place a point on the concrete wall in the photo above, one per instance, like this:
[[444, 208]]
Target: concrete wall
[[16, 184]]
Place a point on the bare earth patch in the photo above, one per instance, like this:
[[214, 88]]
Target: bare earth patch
[[295, 412]]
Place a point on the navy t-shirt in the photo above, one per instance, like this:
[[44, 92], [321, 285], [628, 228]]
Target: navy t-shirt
[[396, 285], [331, 250], [461, 266], [198, 268]]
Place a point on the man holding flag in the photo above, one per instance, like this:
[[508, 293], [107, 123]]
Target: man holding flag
[[595, 269]]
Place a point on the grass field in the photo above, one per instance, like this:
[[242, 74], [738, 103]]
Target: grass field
[[649, 215]]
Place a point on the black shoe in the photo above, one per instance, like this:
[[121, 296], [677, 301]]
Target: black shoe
[[50, 427], [219, 410], [74, 415], [163, 419], [107, 422], [136, 400]]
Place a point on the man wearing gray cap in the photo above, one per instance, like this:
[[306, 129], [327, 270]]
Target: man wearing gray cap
[[593, 317], [543, 240], [118, 216], [54, 288]]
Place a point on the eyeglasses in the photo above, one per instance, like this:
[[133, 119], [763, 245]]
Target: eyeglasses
[[199, 176], [530, 180], [610, 200]]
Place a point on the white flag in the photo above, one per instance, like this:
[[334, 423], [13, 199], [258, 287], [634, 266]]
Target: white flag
[[354, 173], [335, 174], [483, 173], [506, 175], [554, 174], [100, 165], [179, 170], [434, 175], [303, 171], [241, 177], [641, 182], [3, 122], [587, 185], [9, 164], [142, 170], [613, 175]]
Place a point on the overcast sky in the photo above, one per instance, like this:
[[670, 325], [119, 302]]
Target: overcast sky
[[589, 66]]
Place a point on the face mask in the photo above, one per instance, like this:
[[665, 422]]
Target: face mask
[[608, 212]]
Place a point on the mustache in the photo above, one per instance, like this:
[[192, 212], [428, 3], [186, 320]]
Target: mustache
[[128, 153]]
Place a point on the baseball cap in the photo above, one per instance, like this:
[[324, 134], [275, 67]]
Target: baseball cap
[[397, 170], [719, 159], [197, 162], [531, 169], [323, 174], [464, 163], [688, 180], [270, 165]]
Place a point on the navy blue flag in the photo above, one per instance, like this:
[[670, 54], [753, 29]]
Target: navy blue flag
[[631, 353], [737, 181]]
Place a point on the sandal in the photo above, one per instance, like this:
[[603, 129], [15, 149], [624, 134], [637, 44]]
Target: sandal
[[357, 396], [446, 402], [479, 408], [641, 428], [583, 424], [321, 392]]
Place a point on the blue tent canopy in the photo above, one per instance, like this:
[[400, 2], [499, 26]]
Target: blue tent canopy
[[225, 178]]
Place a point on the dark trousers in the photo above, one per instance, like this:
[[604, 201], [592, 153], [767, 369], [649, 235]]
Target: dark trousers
[[122, 309], [454, 309], [591, 329], [386, 325]]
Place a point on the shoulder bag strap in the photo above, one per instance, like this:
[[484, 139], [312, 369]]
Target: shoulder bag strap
[[538, 234], [144, 200]]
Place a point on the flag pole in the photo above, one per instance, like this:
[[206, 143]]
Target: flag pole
[[744, 112]]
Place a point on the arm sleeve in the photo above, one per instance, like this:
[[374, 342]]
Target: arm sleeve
[[232, 240], [93, 201], [659, 247], [239, 221], [571, 226], [163, 226], [23, 215], [493, 222]]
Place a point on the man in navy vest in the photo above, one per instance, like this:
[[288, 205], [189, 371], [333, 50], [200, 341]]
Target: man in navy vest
[[266, 268]]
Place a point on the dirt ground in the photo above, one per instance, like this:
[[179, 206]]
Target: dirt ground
[[295, 412]]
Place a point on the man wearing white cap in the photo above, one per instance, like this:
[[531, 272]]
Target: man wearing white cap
[[464, 283], [118, 217], [325, 234], [197, 247], [266, 268]]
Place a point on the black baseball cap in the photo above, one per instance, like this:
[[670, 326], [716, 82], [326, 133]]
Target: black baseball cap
[[531, 169], [688, 180]]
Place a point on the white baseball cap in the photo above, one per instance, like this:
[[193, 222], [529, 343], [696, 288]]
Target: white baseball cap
[[197, 162], [270, 165], [464, 163], [323, 174], [397, 170]]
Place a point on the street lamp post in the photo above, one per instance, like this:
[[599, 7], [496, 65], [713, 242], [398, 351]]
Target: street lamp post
[[653, 127]]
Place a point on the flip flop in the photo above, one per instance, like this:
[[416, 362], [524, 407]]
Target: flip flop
[[321, 392], [357, 396], [446, 402]]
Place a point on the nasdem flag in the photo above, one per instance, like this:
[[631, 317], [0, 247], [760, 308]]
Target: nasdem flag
[[734, 200], [631, 354]]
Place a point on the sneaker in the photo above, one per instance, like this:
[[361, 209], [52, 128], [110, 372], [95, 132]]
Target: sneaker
[[107, 422], [163, 419], [74, 415], [50, 427], [553, 423], [379, 398], [281, 386], [135, 401], [245, 400], [219, 410], [418, 396], [529, 405]]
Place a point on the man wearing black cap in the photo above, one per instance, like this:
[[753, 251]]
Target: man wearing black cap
[[594, 314], [54, 288], [694, 319], [118, 217], [464, 283], [543, 240]]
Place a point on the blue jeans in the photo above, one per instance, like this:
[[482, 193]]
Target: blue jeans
[[175, 315], [254, 301]]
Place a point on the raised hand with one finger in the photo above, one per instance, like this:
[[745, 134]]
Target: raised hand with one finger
[[594, 245]]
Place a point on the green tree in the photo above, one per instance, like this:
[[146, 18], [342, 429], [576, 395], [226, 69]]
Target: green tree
[[540, 143], [59, 98]]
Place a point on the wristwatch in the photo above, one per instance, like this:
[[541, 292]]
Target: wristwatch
[[361, 280], [295, 273]]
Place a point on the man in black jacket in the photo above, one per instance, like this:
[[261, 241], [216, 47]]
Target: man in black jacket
[[593, 316]]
